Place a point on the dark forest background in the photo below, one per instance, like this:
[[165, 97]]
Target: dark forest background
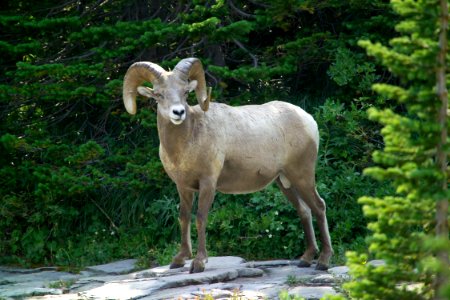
[[80, 179]]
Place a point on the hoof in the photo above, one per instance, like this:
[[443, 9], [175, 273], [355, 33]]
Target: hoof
[[321, 267], [197, 266], [175, 266], [303, 264]]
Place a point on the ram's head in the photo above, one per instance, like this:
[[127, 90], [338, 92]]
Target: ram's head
[[170, 89]]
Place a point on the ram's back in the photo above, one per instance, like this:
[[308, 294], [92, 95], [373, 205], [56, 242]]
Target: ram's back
[[271, 125]]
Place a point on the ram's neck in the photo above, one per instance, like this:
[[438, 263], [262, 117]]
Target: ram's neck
[[175, 138]]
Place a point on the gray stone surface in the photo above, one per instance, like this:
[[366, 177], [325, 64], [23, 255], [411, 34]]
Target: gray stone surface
[[250, 272], [119, 267], [340, 272], [323, 279], [224, 278], [32, 282], [270, 263], [311, 293], [25, 271]]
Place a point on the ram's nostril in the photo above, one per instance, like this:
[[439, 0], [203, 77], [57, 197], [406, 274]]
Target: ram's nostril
[[178, 112]]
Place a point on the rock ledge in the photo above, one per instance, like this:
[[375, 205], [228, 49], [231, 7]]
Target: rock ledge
[[224, 278]]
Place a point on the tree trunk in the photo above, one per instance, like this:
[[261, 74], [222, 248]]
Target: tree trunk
[[442, 205]]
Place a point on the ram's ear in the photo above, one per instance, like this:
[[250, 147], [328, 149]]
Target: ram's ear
[[147, 92], [192, 85]]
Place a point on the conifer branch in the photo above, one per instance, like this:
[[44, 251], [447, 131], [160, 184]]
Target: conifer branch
[[238, 11], [442, 229], [210, 75], [254, 58], [178, 49], [259, 4], [178, 13]]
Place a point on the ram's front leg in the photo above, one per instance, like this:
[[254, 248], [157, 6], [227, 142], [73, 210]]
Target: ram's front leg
[[186, 199], [205, 199]]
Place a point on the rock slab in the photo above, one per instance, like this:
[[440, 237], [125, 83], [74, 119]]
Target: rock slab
[[115, 268], [225, 277]]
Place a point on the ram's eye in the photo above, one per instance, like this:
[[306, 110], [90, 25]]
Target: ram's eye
[[159, 96]]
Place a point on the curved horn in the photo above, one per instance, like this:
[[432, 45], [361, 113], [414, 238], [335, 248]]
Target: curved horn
[[192, 69], [137, 74]]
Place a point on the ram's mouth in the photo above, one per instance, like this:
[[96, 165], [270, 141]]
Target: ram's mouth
[[177, 121]]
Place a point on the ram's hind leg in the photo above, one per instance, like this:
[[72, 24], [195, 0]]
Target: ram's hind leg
[[319, 209], [304, 213], [186, 199], [306, 188]]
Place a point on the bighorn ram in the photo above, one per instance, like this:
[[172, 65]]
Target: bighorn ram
[[213, 146]]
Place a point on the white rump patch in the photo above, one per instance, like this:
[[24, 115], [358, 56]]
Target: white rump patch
[[285, 182]]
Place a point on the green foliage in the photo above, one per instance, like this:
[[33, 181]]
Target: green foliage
[[347, 140], [348, 69], [248, 225], [284, 295], [75, 168], [292, 280], [62, 284], [402, 223]]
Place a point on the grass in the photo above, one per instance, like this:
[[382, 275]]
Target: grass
[[293, 280], [284, 295], [62, 284]]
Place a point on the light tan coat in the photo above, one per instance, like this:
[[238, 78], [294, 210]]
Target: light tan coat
[[235, 150]]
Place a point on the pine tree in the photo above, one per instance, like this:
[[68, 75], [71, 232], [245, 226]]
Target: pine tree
[[410, 228], [442, 230]]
